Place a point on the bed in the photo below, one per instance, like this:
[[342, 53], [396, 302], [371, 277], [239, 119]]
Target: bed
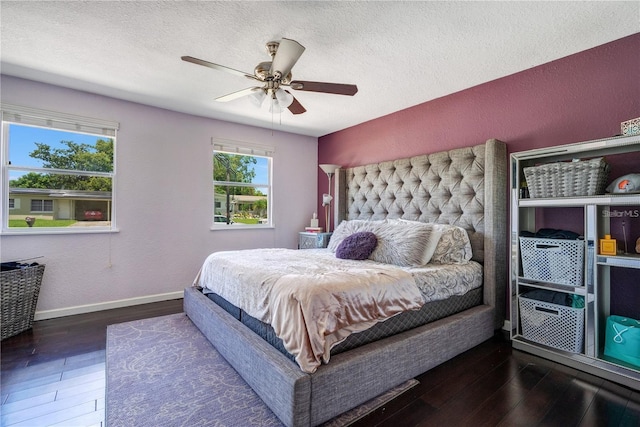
[[465, 188]]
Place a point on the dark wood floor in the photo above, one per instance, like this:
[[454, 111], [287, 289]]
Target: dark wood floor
[[54, 375]]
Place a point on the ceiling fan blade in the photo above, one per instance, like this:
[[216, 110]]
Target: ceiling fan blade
[[217, 67], [296, 107], [287, 55], [238, 94], [336, 88]]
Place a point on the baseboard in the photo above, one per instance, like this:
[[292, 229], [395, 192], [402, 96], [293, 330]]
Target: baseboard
[[89, 308], [507, 325]]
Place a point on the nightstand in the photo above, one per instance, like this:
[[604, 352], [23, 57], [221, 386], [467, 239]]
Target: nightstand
[[307, 240]]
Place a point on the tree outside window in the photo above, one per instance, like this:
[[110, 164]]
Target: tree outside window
[[241, 188], [62, 178]]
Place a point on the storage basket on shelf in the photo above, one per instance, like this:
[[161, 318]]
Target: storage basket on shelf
[[554, 325], [553, 260], [19, 290], [567, 179]]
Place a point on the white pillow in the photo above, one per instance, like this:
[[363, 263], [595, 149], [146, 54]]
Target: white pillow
[[434, 236]]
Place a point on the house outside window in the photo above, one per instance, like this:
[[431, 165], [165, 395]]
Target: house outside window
[[241, 185], [58, 170]]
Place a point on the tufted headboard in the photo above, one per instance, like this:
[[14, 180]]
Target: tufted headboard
[[465, 187]]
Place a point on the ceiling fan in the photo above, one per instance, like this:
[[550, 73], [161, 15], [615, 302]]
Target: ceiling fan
[[274, 75]]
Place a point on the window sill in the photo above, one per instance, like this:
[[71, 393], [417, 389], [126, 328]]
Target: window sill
[[237, 226], [50, 231]]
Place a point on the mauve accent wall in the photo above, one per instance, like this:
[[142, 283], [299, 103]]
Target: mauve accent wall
[[581, 97], [577, 98]]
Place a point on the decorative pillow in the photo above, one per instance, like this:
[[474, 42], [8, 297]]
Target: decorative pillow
[[454, 246], [358, 246], [347, 227], [403, 243]]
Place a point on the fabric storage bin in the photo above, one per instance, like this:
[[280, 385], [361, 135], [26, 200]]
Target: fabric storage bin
[[19, 290], [622, 339], [567, 179], [553, 260], [551, 324]]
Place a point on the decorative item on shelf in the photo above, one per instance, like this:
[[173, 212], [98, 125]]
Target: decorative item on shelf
[[314, 221], [622, 339], [524, 190], [624, 237], [630, 127], [608, 245], [629, 183], [330, 170]]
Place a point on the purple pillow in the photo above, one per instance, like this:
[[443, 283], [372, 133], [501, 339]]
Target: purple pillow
[[357, 246]]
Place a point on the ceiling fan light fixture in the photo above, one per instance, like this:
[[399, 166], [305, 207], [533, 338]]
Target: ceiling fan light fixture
[[285, 99], [257, 98], [276, 107]]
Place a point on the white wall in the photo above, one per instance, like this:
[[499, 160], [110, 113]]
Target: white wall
[[163, 200]]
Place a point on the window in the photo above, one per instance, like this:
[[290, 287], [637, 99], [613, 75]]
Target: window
[[241, 185], [41, 205], [58, 170]]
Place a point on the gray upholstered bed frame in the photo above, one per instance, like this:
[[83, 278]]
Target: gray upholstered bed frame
[[465, 187]]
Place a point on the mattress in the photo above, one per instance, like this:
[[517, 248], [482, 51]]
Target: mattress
[[430, 312], [449, 289]]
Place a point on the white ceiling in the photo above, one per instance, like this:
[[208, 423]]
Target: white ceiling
[[398, 53]]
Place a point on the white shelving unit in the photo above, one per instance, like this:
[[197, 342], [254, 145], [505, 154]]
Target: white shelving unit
[[596, 285]]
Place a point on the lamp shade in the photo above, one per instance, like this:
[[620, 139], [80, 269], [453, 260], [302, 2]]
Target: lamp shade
[[329, 169]]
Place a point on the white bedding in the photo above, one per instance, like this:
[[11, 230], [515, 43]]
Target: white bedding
[[314, 300]]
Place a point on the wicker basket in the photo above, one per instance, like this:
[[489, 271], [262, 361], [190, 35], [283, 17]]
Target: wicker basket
[[19, 296], [568, 179]]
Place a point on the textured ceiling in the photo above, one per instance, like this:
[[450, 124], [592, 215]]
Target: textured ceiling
[[398, 53]]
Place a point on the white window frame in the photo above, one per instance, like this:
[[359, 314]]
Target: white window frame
[[244, 149], [27, 116]]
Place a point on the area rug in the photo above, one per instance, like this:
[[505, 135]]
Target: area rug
[[163, 372]]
